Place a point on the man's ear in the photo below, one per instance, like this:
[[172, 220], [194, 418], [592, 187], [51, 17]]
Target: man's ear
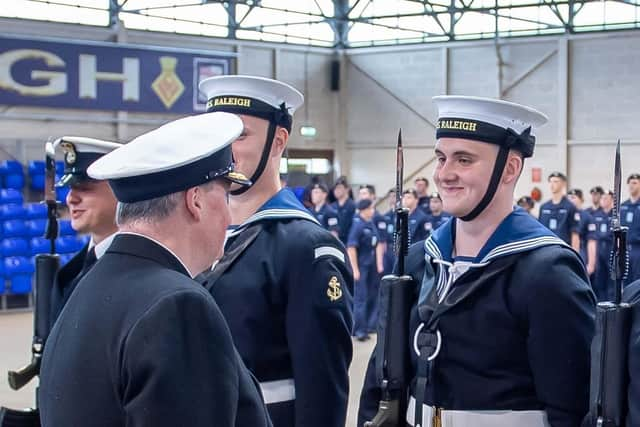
[[193, 202], [280, 141], [513, 168]]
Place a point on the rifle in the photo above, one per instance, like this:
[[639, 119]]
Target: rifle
[[395, 301], [46, 269], [609, 376]]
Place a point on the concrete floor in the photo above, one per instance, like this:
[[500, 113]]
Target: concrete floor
[[16, 330]]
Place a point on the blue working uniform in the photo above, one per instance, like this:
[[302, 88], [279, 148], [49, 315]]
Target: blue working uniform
[[586, 231], [562, 218], [435, 221], [364, 238], [346, 213], [630, 217], [424, 204], [602, 284], [418, 228], [327, 217]]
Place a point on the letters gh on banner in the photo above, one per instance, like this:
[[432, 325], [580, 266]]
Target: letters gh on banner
[[105, 76]]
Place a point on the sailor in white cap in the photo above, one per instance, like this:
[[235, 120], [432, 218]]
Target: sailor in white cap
[[139, 342], [92, 208], [501, 328], [284, 284]]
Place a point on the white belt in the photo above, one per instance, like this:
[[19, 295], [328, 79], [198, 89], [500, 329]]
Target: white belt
[[278, 391], [479, 418]]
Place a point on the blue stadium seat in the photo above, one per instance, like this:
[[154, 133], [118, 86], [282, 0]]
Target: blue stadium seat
[[12, 211], [36, 211], [13, 176], [59, 167], [10, 167], [61, 194], [10, 195], [67, 245], [36, 167], [84, 238], [19, 271], [15, 247], [39, 245], [65, 228], [36, 227], [36, 182], [14, 228]]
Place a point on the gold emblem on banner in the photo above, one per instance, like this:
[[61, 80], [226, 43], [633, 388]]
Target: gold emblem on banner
[[168, 85], [334, 292]]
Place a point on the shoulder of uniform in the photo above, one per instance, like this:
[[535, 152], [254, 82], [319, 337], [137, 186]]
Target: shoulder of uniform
[[302, 235], [550, 265]]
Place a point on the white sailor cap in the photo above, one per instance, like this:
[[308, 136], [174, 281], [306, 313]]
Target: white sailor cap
[[503, 123], [268, 99], [79, 153], [179, 155]]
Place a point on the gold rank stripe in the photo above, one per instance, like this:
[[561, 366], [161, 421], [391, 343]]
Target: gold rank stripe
[[229, 101], [465, 125]]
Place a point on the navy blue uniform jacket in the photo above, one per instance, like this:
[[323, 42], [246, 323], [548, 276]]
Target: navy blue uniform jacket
[[632, 296], [562, 218], [520, 339], [66, 281], [287, 300], [141, 344]]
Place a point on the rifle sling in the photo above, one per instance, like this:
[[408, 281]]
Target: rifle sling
[[232, 253]]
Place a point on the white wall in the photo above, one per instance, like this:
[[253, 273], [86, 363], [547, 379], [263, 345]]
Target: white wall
[[588, 86]]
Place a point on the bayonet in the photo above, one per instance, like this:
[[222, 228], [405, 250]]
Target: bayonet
[[619, 253]]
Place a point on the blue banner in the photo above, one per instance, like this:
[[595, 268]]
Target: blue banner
[[104, 76]]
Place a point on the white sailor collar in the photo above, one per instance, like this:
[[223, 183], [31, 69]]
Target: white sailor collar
[[518, 232], [283, 205]]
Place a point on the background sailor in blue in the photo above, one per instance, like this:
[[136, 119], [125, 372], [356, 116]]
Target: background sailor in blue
[[345, 206], [437, 216], [366, 264], [325, 214], [368, 192], [507, 302], [418, 226], [603, 286], [390, 218], [586, 231], [284, 283], [630, 217], [526, 203], [421, 185], [596, 193], [558, 214]]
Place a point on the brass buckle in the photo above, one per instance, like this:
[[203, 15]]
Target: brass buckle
[[436, 420]]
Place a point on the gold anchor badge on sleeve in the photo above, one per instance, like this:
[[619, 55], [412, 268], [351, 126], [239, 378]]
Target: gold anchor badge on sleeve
[[334, 292]]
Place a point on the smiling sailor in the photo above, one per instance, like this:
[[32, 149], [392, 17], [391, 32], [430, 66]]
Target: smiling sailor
[[504, 316], [284, 283]]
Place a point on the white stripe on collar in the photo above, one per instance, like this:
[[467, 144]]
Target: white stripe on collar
[[162, 245], [272, 214]]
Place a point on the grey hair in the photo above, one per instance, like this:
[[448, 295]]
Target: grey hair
[[147, 210], [151, 210]]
